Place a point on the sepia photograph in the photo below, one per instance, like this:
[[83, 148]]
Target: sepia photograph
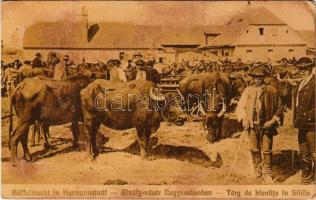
[[158, 99]]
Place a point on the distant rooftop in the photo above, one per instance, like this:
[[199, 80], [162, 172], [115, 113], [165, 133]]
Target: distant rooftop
[[111, 35]]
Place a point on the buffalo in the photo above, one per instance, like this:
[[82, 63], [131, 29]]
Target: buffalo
[[47, 101], [126, 105], [214, 91]]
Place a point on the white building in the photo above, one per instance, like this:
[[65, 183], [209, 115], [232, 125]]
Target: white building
[[255, 34]]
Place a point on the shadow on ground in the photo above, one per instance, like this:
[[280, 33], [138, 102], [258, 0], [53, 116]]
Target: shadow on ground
[[183, 153], [193, 155], [285, 164]]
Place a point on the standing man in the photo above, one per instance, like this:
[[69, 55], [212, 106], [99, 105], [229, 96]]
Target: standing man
[[260, 109], [304, 118], [141, 73], [116, 73], [151, 73], [60, 70], [304, 121], [37, 61]]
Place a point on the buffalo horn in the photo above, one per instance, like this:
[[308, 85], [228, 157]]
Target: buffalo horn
[[222, 112], [182, 98], [155, 97]]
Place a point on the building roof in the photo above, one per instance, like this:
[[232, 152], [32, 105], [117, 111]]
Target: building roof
[[309, 37], [214, 30], [110, 35], [231, 32], [51, 35]]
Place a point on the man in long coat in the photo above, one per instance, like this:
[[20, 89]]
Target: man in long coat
[[304, 121], [304, 118], [60, 70], [260, 110]]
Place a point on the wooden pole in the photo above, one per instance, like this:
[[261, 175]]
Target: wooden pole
[[292, 120], [293, 105]]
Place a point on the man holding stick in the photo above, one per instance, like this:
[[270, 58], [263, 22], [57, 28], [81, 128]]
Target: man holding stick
[[260, 109]]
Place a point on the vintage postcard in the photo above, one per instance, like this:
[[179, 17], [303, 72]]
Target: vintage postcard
[[158, 99]]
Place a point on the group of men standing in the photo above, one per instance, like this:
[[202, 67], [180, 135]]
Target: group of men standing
[[260, 109], [59, 68], [137, 69]]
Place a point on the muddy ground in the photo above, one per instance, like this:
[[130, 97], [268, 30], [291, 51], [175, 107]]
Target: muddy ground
[[181, 155]]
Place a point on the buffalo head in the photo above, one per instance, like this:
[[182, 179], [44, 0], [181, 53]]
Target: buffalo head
[[170, 106], [215, 110]]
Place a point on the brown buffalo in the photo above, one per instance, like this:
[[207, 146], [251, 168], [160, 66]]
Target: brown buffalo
[[214, 91], [47, 101], [122, 106]]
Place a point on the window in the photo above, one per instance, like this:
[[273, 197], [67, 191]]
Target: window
[[287, 31], [291, 50], [261, 31], [247, 31], [214, 53], [226, 54], [270, 50], [223, 53], [160, 60], [249, 51]]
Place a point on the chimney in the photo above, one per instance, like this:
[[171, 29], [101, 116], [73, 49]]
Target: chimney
[[84, 23]]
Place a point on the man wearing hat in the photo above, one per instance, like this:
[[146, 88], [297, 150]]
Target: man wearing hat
[[304, 117], [61, 69], [304, 121], [37, 61], [151, 73], [141, 73], [137, 56], [260, 109], [116, 73]]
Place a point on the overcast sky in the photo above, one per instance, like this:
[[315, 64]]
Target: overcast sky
[[16, 16]]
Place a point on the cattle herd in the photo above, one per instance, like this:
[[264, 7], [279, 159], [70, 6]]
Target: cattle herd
[[89, 96]]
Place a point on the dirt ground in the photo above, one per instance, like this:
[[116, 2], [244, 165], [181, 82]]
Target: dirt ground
[[181, 155]]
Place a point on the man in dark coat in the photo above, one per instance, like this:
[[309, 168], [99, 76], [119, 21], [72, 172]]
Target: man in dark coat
[[37, 61], [304, 120], [260, 109], [151, 73]]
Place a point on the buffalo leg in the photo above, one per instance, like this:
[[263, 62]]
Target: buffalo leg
[[27, 155], [33, 135], [147, 136], [21, 129], [91, 127], [36, 133], [45, 131], [38, 130], [75, 133], [45, 128], [143, 141]]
